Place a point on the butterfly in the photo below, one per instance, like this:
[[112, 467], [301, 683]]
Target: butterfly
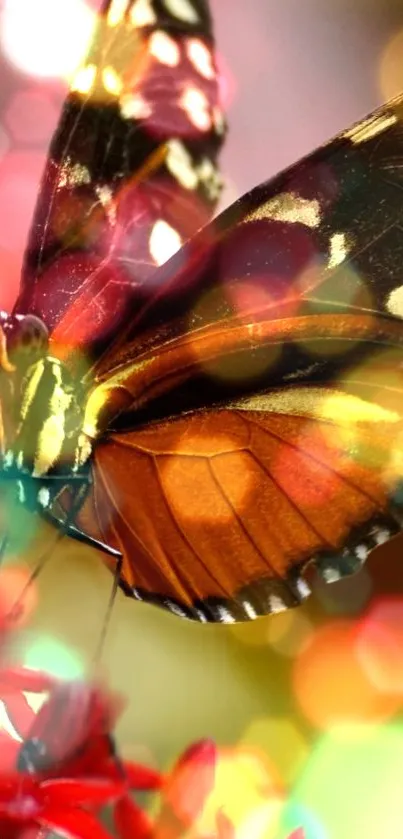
[[226, 422]]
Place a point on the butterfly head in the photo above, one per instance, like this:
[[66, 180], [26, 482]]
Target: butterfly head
[[23, 340]]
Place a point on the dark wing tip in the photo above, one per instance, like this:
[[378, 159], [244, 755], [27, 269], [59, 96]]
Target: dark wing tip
[[270, 595]]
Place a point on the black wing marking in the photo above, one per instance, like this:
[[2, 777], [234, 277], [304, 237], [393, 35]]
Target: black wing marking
[[327, 231], [131, 172]]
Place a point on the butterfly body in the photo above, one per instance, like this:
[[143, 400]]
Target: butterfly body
[[43, 443]]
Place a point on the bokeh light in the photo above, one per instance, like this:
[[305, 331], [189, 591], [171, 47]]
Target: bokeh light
[[164, 242], [18, 595], [289, 632], [20, 172], [282, 741], [248, 790], [332, 686], [390, 67], [47, 653], [48, 37], [4, 141], [10, 273], [379, 645], [296, 815], [31, 116], [350, 786], [347, 596]]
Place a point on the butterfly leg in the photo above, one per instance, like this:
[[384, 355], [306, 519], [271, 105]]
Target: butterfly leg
[[65, 523], [70, 530], [108, 613]]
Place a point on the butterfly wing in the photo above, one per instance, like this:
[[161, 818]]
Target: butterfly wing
[[131, 172], [219, 513], [249, 417]]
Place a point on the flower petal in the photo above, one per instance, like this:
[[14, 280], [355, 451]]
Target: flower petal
[[81, 792], [131, 821], [14, 783], [141, 777], [225, 827], [9, 749], [78, 824], [13, 830], [18, 712], [22, 678], [191, 781]]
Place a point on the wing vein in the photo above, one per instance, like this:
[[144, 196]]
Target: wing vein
[[319, 462], [182, 534], [248, 535]]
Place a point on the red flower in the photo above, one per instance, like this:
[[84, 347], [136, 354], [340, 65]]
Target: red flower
[[18, 686], [184, 793], [70, 734], [61, 766], [62, 805], [65, 769]]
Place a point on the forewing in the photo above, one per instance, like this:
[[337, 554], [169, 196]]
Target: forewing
[[323, 237], [131, 172]]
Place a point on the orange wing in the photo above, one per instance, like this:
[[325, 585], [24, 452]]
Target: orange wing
[[218, 513]]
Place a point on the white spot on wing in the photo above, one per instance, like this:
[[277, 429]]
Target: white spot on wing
[[180, 164], [382, 535], [210, 178], [142, 14], [225, 615], [196, 105], [112, 81], [250, 611], [338, 250], [331, 575], [394, 303], [44, 497], [134, 107], [182, 10], [175, 608], [117, 11], [20, 492], [200, 57], [276, 604], [84, 79], [164, 242], [303, 588], [164, 49], [361, 552]]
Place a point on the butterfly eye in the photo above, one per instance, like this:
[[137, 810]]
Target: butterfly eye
[[27, 339]]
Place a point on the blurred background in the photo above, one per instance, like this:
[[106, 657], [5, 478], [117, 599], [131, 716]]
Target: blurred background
[[310, 699]]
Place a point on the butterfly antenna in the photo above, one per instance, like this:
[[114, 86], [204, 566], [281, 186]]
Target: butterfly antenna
[[109, 608]]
